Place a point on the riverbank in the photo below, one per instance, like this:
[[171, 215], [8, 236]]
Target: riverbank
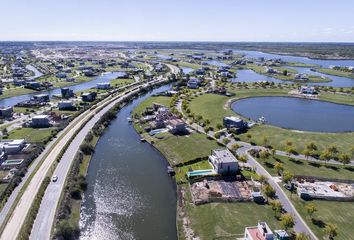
[[84, 168], [189, 152]]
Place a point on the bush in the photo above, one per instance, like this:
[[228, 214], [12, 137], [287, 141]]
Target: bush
[[87, 148]]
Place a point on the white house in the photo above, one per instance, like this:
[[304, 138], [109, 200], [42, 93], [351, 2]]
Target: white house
[[223, 161], [259, 232], [307, 90], [12, 146]]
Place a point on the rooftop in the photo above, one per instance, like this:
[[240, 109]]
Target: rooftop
[[224, 155]]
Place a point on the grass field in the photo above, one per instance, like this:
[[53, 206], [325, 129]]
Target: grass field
[[118, 82], [335, 72], [15, 92], [303, 167], [178, 149], [190, 65], [228, 220], [31, 134], [338, 213], [277, 138]]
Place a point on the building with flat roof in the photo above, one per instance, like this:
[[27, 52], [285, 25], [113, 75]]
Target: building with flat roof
[[223, 161], [259, 232], [233, 122], [65, 105], [40, 121], [6, 111], [89, 96], [12, 146]]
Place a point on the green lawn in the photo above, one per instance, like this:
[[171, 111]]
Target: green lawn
[[119, 82], [300, 64], [277, 138], [15, 92], [335, 72], [179, 149], [303, 167], [228, 220], [190, 65], [338, 213], [181, 171], [149, 102], [31, 134]]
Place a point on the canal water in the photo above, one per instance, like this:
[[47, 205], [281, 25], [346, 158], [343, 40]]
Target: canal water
[[129, 195], [298, 113], [76, 88]]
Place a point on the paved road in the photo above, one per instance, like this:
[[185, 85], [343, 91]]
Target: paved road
[[300, 224], [43, 224]]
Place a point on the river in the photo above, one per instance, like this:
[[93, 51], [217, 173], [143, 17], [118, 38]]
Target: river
[[129, 195], [11, 101], [298, 113]]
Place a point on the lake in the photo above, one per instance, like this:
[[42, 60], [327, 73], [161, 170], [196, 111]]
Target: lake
[[298, 113]]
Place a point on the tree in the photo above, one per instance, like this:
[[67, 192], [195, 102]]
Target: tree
[[249, 136], [325, 155], [331, 230], [344, 158], [234, 147], [264, 154], [87, 148], [289, 143], [279, 168], [287, 221], [310, 209], [290, 150], [285, 72], [287, 176], [311, 146], [277, 207], [207, 121], [5, 132], [225, 141], [268, 190], [306, 153], [262, 179], [333, 150], [265, 141], [243, 158], [218, 126], [302, 236]]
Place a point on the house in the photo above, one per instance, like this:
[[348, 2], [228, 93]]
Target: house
[[33, 85], [269, 70], [61, 75], [200, 71], [300, 76], [234, 122], [12, 146], [307, 90], [259, 232], [193, 83], [105, 85], [6, 112], [40, 121], [67, 92], [176, 126], [88, 73], [41, 97], [89, 96], [223, 161], [65, 105]]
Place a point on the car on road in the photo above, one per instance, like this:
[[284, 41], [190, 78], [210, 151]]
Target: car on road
[[55, 178]]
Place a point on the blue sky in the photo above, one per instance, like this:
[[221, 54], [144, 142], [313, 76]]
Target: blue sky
[[178, 20]]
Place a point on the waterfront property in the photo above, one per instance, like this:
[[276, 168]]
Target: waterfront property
[[40, 121], [12, 146], [234, 122], [223, 161]]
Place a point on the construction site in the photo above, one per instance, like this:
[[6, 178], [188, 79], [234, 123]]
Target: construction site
[[325, 190], [221, 191]]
